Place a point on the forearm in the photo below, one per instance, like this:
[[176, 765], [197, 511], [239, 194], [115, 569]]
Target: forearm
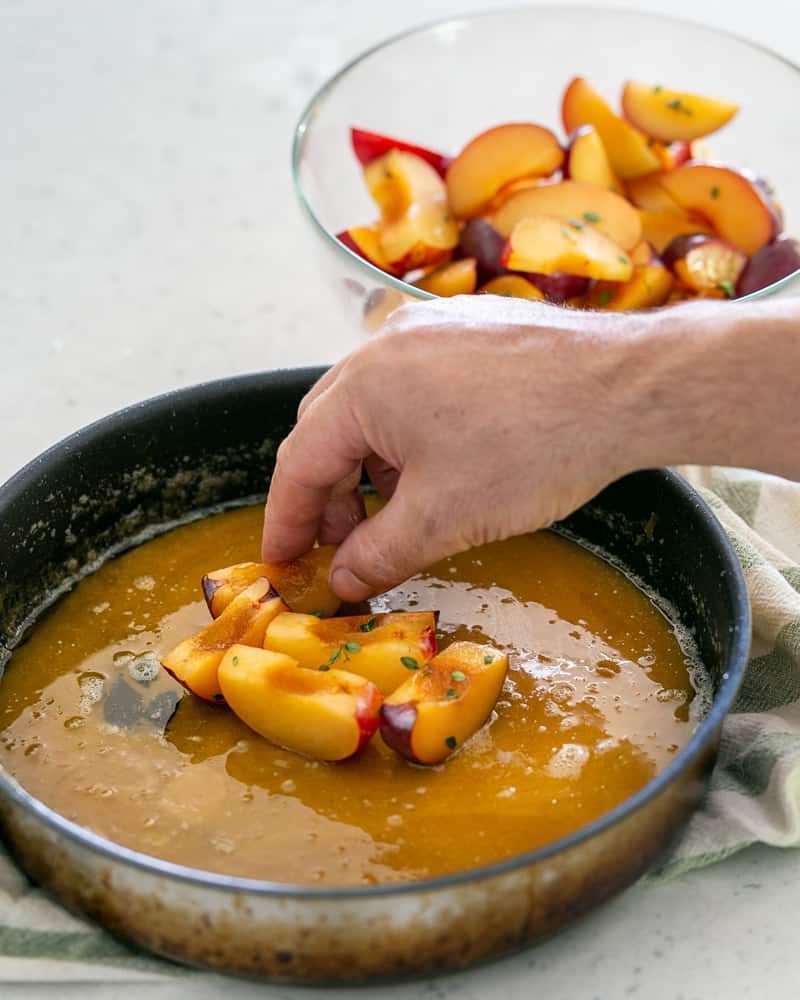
[[709, 384]]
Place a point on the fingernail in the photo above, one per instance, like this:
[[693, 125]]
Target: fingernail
[[348, 586]]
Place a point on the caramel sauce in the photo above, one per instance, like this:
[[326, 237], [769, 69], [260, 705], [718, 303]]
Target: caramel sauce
[[597, 701]]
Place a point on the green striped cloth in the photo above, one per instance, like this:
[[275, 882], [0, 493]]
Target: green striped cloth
[[755, 792]]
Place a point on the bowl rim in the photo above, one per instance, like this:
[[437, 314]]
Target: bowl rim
[[308, 113], [219, 389]]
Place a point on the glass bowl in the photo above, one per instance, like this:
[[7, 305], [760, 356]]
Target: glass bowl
[[441, 84]]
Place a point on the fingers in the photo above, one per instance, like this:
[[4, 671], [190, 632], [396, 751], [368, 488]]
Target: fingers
[[343, 511], [388, 548], [382, 475], [323, 382], [324, 449]]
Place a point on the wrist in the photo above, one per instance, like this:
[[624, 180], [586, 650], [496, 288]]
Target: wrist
[[716, 384]]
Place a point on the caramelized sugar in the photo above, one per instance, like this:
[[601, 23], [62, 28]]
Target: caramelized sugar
[[597, 701]]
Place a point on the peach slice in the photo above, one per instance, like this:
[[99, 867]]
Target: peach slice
[[660, 228], [398, 180], [513, 286], [436, 710], [194, 661], [546, 244], [627, 148], [364, 240], [671, 115], [587, 160], [647, 194], [302, 583], [369, 146], [457, 278], [328, 716], [605, 211], [771, 263], [380, 647], [494, 158], [706, 264], [734, 205]]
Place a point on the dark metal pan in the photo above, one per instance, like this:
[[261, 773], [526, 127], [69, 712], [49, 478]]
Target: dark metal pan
[[174, 457]]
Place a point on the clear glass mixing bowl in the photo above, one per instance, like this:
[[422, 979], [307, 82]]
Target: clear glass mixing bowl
[[441, 84]]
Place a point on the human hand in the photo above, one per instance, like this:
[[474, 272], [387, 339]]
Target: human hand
[[479, 418]]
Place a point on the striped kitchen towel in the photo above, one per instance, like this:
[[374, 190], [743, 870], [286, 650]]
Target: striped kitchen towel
[[755, 788]]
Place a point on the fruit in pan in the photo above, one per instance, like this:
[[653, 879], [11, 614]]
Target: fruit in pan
[[398, 180], [587, 204], [660, 228], [381, 647], [545, 244], [732, 203], [327, 716], [768, 265], [513, 286], [369, 146], [460, 277], [627, 148], [650, 285], [221, 585], [194, 662], [671, 115], [301, 583], [364, 240], [587, 160], [706, 264], [436, 711], [494, 158]]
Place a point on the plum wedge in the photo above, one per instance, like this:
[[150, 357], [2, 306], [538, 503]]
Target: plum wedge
[[365, 241], [436, 711], [627, 148], [587, 160], [369, 146], [735, 206], [381, 647], [459, 277], [706, 265], [671, 115], [195, 661], [326, 716], [496, 157], [545, 244], [587, 204], [302, 583]]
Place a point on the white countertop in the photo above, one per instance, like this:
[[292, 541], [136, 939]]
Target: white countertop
[[151, 240]]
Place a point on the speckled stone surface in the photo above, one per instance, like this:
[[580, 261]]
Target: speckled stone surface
[[150, 239]]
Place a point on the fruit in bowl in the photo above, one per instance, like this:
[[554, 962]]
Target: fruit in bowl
[[629, 212]]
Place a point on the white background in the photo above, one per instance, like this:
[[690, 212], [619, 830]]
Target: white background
[[149, 238]]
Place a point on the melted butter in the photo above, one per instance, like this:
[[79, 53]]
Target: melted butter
[[597, 700]]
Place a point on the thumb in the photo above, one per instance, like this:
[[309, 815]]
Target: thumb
[[384, 550]]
